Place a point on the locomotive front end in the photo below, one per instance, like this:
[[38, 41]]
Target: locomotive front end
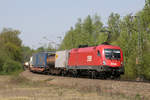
[[112, 60]]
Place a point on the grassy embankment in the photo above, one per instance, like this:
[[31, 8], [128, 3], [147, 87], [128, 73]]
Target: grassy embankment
[[18, 87]]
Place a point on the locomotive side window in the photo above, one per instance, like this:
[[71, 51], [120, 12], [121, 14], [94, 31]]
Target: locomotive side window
[[112, 53], [98, 53]]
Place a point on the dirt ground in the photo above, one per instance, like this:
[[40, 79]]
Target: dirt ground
[[31, 86]]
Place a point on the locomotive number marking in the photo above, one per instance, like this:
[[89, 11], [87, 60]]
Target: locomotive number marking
[[113, 64], [89, 58]]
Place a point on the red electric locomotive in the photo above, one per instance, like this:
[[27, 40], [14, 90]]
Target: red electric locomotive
[[104, 60]]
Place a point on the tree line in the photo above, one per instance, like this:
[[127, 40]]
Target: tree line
[[131, 33]]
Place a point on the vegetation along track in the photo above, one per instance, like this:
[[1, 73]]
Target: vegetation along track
[[124, 88]]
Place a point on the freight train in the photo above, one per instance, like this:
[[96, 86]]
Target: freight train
[[97, 61]]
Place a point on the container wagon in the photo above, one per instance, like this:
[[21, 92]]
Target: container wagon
[[42, 61]]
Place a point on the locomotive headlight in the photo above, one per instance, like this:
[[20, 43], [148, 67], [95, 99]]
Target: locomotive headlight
[[121, 63], [104, 63]]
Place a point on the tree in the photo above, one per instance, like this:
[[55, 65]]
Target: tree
[[113, 26], [12, 36], [27, 53], [11, 50], [87, 30], [97, 28], [78, 33]]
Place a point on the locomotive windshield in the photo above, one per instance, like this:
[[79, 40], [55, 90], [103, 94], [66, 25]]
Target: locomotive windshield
[[112, 53]]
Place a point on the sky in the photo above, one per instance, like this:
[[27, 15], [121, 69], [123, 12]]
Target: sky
[[43, 21]]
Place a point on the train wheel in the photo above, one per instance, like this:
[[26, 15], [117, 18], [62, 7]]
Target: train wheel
[[75, 73], [63, 73], [93, 74], [30, 69], [115, 76], [48, 71]]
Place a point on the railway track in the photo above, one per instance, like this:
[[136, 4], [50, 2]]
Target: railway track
[[100, 78]]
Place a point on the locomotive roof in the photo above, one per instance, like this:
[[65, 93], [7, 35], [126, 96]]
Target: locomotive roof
[[108, 46], [88, 49]]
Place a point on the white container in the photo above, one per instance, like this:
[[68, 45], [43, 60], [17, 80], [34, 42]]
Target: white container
[[31, 61], [61, 59]]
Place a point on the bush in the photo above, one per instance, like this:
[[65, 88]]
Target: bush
[[146, 65], [3, 58], [1, 63], [131, 68], [11, 66]]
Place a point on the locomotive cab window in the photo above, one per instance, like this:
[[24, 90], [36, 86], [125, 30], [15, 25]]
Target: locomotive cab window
[[98, 53], [112, 53]]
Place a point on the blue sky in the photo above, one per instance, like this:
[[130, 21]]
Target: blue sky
[[52, 18]]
